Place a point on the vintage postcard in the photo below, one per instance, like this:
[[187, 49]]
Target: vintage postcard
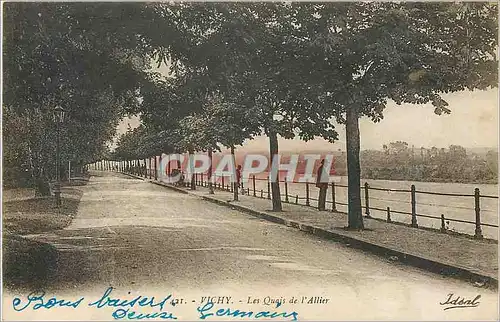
[[245, 161]]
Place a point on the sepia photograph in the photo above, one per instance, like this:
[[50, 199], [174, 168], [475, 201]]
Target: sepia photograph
[[246, 161]]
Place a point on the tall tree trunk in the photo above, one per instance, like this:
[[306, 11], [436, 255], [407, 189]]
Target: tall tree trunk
[[168, 165], [355, 217], [40, 177], [210, 185], [193, 175], [42, 186], [275, 185], [235, 182]]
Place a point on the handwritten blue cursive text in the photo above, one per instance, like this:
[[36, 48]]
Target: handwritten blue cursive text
[[107, 300], [205, 312], [39, 302], [131, 315]]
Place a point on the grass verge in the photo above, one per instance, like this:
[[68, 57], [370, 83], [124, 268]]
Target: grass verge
[[32, 215], [25, 261]]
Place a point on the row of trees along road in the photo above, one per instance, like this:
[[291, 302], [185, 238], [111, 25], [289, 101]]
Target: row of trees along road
[[76, 56], [238, 70]]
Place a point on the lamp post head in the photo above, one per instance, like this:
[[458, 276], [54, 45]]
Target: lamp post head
[[59, 114]]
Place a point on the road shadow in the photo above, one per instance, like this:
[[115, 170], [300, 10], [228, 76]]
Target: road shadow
[[28, 264], [68, 259]]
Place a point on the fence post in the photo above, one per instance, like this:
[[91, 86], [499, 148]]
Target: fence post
[[296, 199], [443, 226], [389, 214], [307, 194], [261, 193], [286, 191], [367, 201], [253, 181], [334, 206], [223, 186], [268, 189], [145, 170], [413, 207], [478, 233]]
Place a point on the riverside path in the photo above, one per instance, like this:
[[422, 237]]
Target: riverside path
[[145, 239]]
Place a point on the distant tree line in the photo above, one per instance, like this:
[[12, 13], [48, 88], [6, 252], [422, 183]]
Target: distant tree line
[[398, 161]]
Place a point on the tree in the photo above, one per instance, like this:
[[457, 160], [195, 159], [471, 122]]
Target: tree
[[220, 122], [76, 56], [251, 54], [405, 52]]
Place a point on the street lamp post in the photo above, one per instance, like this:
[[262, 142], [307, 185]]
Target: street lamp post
[[59, 114]]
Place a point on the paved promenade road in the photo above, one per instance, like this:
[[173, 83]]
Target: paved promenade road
[[149, 240]]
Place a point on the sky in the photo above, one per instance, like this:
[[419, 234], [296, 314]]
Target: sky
[[472, 123]]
